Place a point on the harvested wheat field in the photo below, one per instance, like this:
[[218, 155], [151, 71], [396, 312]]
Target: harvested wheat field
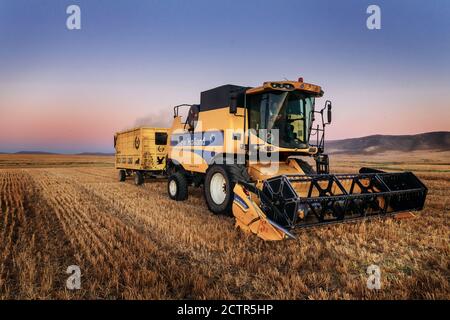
[[134, 243]]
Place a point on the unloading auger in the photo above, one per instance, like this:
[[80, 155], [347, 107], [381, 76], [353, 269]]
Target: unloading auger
[[223, 145]]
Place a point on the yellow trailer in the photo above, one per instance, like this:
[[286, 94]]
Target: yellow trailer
[[141, 152]]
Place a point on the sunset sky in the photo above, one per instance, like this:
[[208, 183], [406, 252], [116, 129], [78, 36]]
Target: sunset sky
[[69, 90]]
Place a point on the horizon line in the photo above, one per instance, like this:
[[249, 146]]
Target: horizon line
[[112, 152]]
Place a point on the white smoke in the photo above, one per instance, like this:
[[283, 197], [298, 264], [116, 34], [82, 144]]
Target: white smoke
[[162, 119]]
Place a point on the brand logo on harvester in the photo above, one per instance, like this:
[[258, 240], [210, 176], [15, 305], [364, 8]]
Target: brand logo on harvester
[[204, 139], [230, 146], [240, 201]]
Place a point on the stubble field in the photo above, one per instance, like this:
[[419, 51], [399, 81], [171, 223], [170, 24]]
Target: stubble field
[[135, 243]]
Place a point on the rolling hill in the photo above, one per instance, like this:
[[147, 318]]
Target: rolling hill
[[34, 152], [439, 141], [95, 154]]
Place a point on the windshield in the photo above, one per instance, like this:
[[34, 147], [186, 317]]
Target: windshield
[[288, 112]]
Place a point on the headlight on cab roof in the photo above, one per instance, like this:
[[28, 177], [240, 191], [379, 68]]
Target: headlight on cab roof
[[276, 85]]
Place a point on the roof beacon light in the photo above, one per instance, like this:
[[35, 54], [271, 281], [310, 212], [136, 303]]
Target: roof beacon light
[[300, 79]]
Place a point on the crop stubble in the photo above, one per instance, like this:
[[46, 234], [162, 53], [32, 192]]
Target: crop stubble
[[134, 243]]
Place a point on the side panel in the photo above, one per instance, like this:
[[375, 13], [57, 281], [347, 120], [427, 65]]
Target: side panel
[[137, 149], [154, 152], [127, 155], [261, 171], [217, 131]]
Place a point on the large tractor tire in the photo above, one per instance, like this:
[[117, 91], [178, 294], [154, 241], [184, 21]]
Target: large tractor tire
[[219, 184], [238, 173], [122, 175], [138, 178], [177, 187]]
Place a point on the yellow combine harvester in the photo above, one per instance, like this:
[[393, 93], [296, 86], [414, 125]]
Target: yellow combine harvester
[[141, 152], [247, 148]]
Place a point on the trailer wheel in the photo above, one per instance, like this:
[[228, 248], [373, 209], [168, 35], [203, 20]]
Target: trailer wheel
[[218, 190], [122, 175], [138, 178], [177, 187]]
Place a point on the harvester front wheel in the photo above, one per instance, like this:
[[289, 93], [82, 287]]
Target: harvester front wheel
[[177, 187], [218, 190], [138, 178], [122, 175]]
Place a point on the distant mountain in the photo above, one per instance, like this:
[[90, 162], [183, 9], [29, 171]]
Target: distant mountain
[[94, 154], [439, 141], [33, 152]]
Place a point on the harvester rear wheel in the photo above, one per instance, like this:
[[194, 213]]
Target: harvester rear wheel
[[138, 178], [122, 175], [177, 187]]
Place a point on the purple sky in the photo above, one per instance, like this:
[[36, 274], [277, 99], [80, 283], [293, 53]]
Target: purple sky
[[69, 91]]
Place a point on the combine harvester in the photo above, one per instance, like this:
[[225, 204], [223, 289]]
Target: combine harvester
[[247, 148]]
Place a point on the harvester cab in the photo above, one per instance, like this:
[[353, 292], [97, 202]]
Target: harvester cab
[[248, 148]]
